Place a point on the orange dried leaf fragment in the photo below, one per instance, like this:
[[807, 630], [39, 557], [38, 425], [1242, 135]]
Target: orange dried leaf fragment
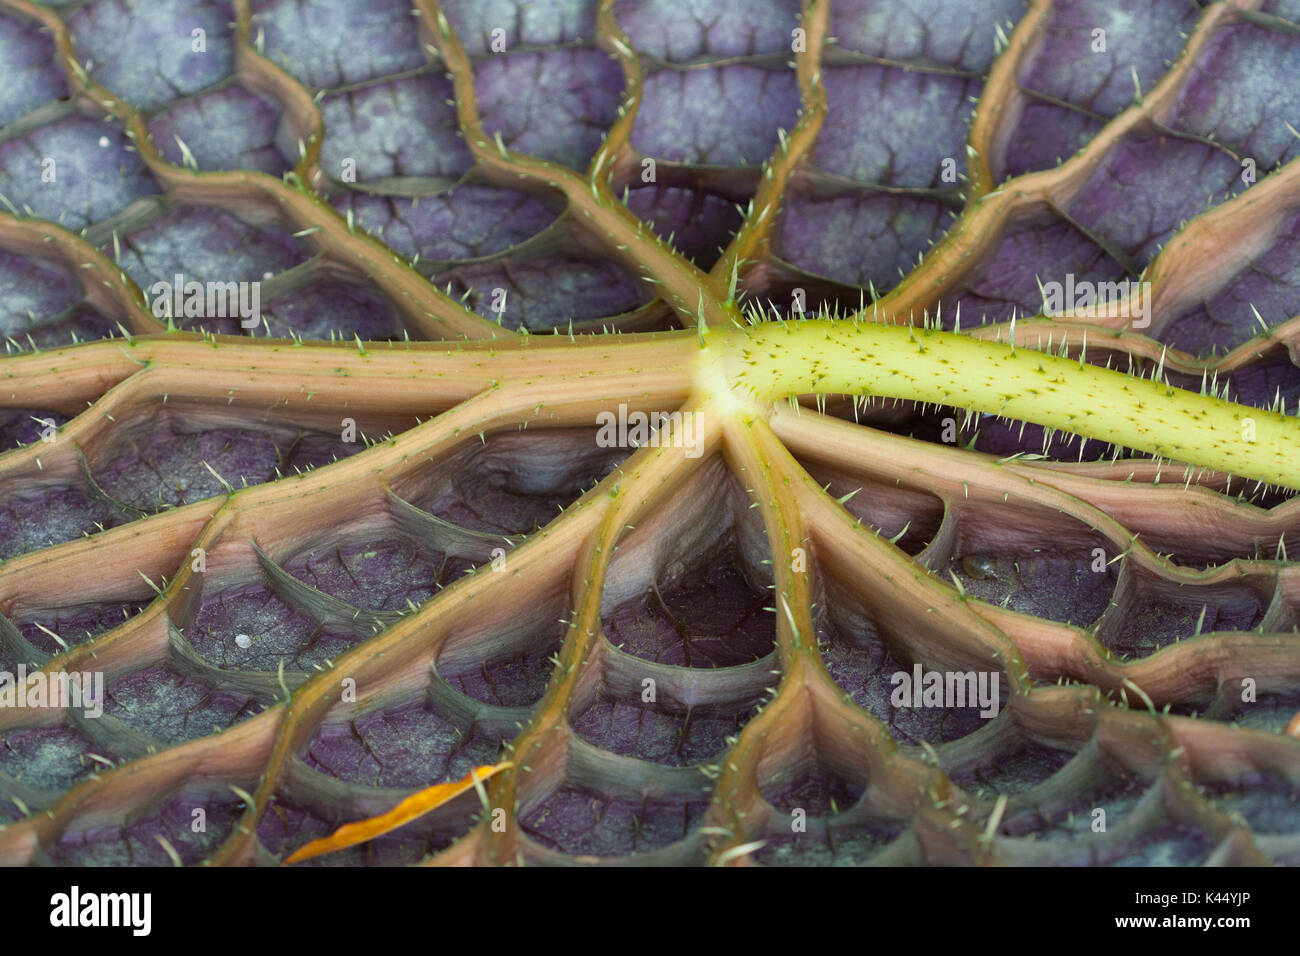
[[412, 808]]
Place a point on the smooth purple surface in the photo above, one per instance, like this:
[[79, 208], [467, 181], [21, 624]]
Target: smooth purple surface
[[144, 50], [386, 574], [334, 308], [96, 175], [723, 116], [555, 105], [51, 515], [205, 124], [578, 820], [712, 618], [652, 731], [274, 630], [205, 243], [48, 758], [401, 127], [163, 703], [327, 43], [76, 625], [162, 461], [700, 224], [1270, 283], [32, 76], [467, 222], [410, 746], [192, 836]]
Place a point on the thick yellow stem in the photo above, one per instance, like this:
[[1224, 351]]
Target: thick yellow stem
[[772, 361]]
